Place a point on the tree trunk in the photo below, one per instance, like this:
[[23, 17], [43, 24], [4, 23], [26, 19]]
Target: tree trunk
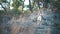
[[30, 7]]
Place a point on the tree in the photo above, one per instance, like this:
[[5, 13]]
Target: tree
[[37, 2], [30, 6], [5, 4], [17, 3]]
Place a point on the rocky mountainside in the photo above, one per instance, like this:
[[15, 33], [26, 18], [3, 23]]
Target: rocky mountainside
[[30, 24]]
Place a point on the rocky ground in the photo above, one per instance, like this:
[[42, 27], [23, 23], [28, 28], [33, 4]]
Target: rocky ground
[[29, 24]]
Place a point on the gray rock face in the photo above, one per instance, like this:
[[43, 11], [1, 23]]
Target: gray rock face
[[29, 23]]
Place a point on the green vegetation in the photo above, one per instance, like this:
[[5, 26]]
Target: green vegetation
[[57, 25]]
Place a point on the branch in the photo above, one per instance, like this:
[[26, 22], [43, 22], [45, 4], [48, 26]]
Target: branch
[[3, 7]]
